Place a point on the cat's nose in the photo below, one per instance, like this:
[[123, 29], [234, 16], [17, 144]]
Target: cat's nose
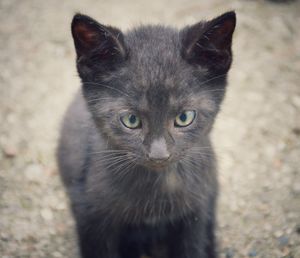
[[159, 158], [158, 151]]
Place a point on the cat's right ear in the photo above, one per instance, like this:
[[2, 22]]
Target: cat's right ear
[[208, 44], [96, 41]]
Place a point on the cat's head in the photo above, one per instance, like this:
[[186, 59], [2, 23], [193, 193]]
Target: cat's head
[[154, 92]]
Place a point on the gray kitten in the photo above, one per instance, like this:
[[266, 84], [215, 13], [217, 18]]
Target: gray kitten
[[135, 152]]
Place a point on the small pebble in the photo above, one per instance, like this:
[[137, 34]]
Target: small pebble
[[298, 229], [296, 100], [10, 152], [229, 253], [46, 214], [33, 173], [296, 188], [296, 131], [252, 253], [57, 254], [278, 233], [283, 241]]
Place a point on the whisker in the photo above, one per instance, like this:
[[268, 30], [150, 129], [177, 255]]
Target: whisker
[[110, 160], [193, 154], [214, 78], [97, 99], [109, 151], [122, 160], [213, 90], [126, 169], [106, 86], [112, 154], [200, 147], [103, 162]]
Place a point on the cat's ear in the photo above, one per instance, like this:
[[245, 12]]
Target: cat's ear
[[209, 43], [92, 39]]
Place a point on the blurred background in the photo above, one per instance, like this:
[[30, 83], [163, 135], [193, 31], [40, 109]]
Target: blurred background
[[257, 134]]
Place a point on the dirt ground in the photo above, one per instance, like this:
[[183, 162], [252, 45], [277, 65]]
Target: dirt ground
[[257, 135]]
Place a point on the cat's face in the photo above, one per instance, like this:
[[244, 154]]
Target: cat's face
[[154, 92]]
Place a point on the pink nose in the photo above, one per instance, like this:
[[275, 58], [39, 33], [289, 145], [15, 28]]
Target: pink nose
[[158, 150], [159, 158]]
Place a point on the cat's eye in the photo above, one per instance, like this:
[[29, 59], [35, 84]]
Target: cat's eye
[[185, 118], [131, 121]]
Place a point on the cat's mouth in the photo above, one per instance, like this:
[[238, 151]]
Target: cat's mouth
[[158, 164]]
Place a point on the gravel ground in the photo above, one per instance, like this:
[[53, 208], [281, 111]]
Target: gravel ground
[[257, 135]]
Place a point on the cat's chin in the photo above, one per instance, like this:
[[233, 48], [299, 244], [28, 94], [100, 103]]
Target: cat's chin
[[159, 168]]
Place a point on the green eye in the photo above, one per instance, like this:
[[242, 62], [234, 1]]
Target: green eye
[[185, 118], [131, 121]]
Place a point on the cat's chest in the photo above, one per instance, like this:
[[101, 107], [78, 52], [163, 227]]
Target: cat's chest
[[151, 205], [143, 197]]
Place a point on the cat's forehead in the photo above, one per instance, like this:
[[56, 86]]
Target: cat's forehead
[[155, 59], [156, 76], [150, 40], [154, 55]]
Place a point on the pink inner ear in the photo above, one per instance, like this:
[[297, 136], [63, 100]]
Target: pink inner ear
[[220, 33], [85, 34], [225, 29]]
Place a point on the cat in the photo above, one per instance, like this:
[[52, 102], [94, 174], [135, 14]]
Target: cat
[[135, 153]]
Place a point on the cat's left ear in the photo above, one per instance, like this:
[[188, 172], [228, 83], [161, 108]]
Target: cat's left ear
[[208, 44], [95, 41]]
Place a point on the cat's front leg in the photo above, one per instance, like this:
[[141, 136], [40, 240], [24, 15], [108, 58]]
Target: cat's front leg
[[188, 239], [210, 221], [97, 239], [211, 247]]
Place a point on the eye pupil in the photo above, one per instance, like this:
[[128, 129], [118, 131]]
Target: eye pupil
[[132, 119], [183, 117]]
